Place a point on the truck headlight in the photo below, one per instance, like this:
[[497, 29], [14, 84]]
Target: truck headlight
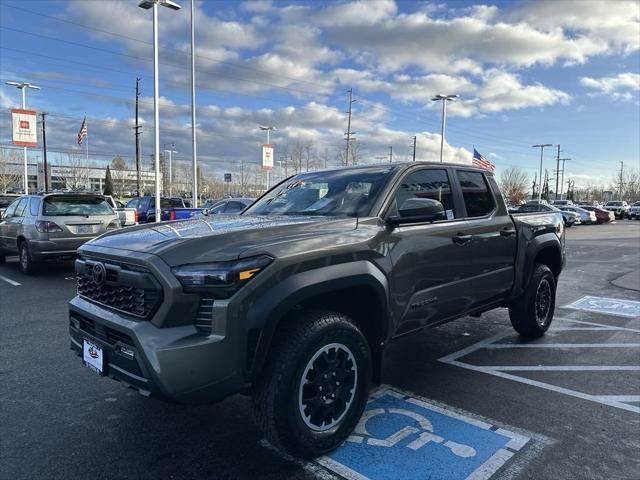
[[220, 279]]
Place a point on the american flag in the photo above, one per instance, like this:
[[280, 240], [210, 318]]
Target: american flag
[[480, 161], [82, 133]]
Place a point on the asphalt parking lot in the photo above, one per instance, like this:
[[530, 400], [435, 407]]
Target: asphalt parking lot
[[479, 402]]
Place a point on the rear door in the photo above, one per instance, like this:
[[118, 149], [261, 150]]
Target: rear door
[[487, 239]]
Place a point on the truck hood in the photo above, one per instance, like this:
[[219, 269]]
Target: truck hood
[[217, 238]]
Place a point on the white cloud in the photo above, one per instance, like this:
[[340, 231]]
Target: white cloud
[[624, 86]]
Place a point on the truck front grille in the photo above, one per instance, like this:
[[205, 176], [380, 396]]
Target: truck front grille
[[130, 290]]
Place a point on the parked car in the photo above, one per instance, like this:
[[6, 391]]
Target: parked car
[[296, 299], [634, 211], [128, 216], [171, 209], [569, 218], [562, 203], [5, 200], [229, 206], [602, 215], [53, 226], [619, 208], [585, 215]]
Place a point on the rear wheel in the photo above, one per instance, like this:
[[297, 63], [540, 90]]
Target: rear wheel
[[315, 384], [532, 313], [27, 264]]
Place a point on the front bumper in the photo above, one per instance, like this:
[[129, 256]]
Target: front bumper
[[177, 364]]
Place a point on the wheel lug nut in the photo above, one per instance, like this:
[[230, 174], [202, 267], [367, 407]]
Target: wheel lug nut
[[320, 388], [337, 383]]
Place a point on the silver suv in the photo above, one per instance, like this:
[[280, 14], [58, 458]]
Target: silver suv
[[42, 227]]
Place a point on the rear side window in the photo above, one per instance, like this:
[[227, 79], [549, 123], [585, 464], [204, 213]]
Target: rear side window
[[475, 191], [34, 206], [22, 206], [75, 205], [431, 183], [133, 203]]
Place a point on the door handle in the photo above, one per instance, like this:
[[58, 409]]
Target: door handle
[[461, 239], [507, 232]]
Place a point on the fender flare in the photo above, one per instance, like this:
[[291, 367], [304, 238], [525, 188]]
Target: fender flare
[[528, 256], [267, 312]]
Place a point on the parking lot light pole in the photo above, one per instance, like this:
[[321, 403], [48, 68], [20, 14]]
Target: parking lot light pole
[[194, 188], [153, 4], [562, 178], [173, 146], [23, 86], [541, 146], [444, 99]]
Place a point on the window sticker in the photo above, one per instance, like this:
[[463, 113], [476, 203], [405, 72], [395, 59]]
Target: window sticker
[[449, 214]]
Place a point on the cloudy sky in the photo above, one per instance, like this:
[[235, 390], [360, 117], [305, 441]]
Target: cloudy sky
[[558, 71]]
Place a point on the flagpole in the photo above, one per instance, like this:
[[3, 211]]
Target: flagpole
[[86, 125]]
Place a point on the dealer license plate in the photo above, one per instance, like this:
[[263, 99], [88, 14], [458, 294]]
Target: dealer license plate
[[92, 356]]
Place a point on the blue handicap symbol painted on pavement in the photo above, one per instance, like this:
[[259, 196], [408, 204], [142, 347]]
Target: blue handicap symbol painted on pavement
[[609, 306], [401, 437]]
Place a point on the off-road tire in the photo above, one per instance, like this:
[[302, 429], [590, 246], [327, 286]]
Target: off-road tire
[[27, 264], [276, 394], [526, 314]]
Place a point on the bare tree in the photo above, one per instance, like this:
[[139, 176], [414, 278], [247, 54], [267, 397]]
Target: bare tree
[[78, 177], [10, 174], [119, 174], [513, 183]]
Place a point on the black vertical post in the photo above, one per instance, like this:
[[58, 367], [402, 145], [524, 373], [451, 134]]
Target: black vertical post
[[414, 147], [137, 128]]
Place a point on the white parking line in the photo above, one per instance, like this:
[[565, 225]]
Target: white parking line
[[9, 281], [617, 401]]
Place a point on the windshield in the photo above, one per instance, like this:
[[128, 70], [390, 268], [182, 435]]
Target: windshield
[[349, 192], [614, 204], [76, 205]]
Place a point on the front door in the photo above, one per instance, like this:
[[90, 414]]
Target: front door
[[11, 224], [427, 265]]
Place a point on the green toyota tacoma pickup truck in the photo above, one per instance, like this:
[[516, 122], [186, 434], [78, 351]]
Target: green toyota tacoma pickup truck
[[295, 300]]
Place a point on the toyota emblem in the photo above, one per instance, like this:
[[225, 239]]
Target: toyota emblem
[[99, 274]]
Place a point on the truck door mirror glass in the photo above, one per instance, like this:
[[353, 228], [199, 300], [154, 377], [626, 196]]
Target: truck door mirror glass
[[419, 210]]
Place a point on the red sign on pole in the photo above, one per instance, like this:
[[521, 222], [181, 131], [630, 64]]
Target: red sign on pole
[[25, 132]]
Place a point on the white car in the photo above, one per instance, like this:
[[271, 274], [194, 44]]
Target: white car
[[634, 211], [585, 215]]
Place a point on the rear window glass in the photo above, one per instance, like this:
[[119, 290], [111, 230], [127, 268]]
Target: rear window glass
[[74, 205], [477, 198], [168, 203]]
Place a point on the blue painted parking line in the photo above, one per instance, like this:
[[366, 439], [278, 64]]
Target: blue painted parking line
[[609, 306], [405, 437]]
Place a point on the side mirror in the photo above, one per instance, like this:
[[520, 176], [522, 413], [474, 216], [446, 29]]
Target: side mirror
[[419, 210]]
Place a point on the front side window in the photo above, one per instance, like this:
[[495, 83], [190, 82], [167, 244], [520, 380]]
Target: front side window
[[234, 207], [348, 192], [477, 198], [68, 205], [429, 183]]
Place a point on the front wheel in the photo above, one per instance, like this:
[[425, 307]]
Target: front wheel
[[315, 384], [532, 313]]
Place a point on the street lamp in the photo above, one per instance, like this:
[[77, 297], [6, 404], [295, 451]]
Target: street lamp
[[23, 86], [444, 99], [194, 187], [153, 4], [268, 130], [541, 147], [173, 146]]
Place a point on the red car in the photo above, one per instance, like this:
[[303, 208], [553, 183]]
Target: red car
[[602, 215]]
